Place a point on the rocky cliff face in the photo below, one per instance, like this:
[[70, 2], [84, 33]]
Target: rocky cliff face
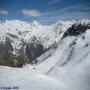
[[76, 29], [22, 42]]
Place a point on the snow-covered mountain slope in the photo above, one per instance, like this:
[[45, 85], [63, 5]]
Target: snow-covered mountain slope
[[59, 53], [25, 37], [29, 30]]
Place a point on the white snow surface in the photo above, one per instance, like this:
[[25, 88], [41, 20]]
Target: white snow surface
[[66, 67], [26, 31]]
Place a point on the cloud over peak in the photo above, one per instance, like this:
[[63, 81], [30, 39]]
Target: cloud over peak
[[33, 12], [3, 12], [54, 1]]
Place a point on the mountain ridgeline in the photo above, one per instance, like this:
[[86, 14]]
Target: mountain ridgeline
[[22, 42]]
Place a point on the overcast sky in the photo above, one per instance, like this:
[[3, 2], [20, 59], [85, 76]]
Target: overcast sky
[[44, 11]]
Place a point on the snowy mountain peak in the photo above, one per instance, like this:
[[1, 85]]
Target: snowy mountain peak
[[58, 55], [35, 23], [28, 39]]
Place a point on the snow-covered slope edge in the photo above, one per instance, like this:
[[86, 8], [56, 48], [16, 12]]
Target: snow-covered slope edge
[[70, 60]]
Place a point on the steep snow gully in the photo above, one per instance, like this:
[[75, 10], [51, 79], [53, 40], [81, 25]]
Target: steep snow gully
[[53, 57]]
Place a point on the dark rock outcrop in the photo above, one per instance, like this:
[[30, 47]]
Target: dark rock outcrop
[[76, 29], [26, 54], [33, 51], [7, 57]]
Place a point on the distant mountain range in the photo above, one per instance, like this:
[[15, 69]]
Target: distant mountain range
[[22, 42]]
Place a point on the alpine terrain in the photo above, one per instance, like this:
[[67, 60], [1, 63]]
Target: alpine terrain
[[45, 57]]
